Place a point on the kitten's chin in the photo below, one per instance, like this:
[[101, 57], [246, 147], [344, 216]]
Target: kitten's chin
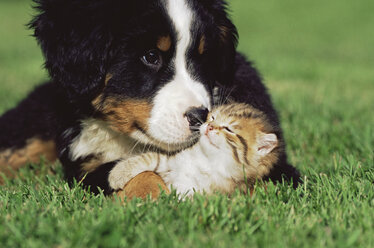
[[207, 143]]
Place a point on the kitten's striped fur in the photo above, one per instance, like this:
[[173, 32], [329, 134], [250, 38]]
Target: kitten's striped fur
[[237, 146]]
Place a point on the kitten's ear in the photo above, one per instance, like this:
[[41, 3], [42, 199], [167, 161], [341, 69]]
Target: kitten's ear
[[266, 143]]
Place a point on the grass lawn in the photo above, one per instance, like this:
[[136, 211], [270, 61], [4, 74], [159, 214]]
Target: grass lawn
[[316, 57]]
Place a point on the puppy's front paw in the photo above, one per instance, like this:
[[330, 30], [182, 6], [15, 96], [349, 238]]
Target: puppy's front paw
[[118, 177]]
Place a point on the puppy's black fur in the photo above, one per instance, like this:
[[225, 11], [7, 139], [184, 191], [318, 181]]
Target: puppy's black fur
[[92, 50]]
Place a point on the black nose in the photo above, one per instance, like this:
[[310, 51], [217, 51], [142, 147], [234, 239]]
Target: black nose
[[196, 116]]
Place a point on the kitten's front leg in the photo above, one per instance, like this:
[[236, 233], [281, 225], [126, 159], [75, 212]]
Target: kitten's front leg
[[125, 170]]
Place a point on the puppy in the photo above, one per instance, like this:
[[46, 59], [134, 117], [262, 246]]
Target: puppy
[[126, 77]]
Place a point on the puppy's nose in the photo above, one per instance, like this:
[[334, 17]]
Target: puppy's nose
[[196, 116]]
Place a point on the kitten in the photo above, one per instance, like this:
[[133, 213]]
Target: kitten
[[237, 145]]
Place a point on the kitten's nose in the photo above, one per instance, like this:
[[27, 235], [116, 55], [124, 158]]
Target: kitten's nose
[[196, 117], [208, 129]]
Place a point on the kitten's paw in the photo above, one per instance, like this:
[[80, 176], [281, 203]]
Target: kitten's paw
[[119, 177]]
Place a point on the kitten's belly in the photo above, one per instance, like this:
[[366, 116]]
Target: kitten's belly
[[201, 183]]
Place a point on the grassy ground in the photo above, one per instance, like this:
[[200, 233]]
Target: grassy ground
[[316, 58]]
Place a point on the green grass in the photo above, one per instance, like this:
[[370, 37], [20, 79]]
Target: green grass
[[316, 58]]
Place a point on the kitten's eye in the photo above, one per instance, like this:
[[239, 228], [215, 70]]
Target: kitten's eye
[[152, 58], [212, 118], [228, 129]]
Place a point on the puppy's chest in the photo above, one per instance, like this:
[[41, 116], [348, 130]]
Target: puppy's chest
[[97, 140]]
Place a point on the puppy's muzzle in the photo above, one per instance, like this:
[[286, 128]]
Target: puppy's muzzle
[[196, 116]]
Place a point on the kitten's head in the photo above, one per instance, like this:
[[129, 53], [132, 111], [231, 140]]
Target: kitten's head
[[241, 131]]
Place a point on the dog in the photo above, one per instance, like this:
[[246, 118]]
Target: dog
[[126, 77]]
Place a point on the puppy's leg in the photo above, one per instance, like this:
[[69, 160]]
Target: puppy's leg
[[29, 130], [137, 185]]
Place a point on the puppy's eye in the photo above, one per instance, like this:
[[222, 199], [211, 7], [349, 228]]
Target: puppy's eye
[[152, 58], [228, 129]]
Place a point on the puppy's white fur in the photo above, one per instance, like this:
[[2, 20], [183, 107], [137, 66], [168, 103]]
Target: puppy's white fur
[[168, 129], [167, 123], [96, 137]]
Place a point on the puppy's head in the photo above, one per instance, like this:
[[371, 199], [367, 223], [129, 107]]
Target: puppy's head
[[140, 64]]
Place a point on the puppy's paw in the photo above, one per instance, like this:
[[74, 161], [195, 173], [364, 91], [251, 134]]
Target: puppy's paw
[[143, 185], [119, 176]]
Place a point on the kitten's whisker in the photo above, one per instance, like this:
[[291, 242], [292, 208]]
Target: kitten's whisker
[[228, 95], [221, 94], [148, 147], [145, 147], [224, 95], [133, 147]]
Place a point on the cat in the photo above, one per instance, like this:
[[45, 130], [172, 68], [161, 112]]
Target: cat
[[237, 146]]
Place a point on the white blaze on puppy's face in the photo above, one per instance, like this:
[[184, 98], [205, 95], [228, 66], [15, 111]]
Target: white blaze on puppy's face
[[167, 123]]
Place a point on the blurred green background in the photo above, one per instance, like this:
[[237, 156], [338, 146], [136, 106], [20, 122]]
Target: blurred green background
[[291, 42], [317, 59]]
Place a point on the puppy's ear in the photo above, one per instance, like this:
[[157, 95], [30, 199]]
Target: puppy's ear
[[227, 37], [75, 39], [228, 42]]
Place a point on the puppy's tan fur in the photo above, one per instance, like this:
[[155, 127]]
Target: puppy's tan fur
[[13, 159], [144, 184]]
